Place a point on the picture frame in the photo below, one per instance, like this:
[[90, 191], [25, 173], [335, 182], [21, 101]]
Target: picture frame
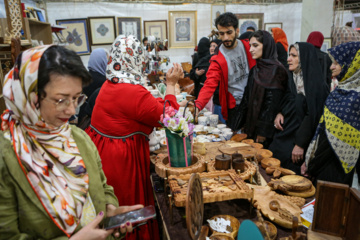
[[269, 26], [102, 30], [60, 37], [326, 44], [216, 10], [129, 26], [246, 20], [182, 29], [76, 34], [157, 28]]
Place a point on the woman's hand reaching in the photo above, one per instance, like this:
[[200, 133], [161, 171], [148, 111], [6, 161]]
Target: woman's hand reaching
[[278, 122], [174, 74], [297, 154]]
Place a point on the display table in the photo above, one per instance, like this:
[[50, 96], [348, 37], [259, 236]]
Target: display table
[[239, 208]]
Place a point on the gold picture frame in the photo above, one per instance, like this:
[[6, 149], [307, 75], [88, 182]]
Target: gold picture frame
[[182, 29], [216, 10], [157, 28]]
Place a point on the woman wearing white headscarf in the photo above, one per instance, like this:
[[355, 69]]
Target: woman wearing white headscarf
[[124, 115]]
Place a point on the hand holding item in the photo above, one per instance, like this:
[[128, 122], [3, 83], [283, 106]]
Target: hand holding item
[[297, 154], [199, 72], [278, 122], [174, 74], [127, 227], [92, 230]]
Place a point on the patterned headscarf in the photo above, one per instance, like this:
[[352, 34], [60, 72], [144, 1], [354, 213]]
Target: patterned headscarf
[[48, 156], [344, 34], [280, 36], [127, 61], [341, 118]]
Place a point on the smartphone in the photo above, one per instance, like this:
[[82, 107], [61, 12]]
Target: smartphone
[[135, 217]]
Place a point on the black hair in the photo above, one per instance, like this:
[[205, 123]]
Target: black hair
[[62, 61], [259, 35], [250, 28], [144, 39], [226, 20]]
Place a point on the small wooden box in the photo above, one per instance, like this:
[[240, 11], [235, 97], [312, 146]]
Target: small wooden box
[[337, 210]]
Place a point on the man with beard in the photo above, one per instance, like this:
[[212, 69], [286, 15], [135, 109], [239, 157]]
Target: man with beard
[[229, 69]]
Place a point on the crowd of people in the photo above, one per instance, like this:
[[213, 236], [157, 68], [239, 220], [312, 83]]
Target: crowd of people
[[59, 182]]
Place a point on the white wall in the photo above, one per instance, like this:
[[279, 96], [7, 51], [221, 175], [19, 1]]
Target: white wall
[[315, 20], [288, 14]]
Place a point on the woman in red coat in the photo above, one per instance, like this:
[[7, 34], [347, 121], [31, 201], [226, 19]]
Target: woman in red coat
[[125, 113]]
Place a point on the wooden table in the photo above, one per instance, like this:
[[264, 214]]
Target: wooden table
[[239, 208]]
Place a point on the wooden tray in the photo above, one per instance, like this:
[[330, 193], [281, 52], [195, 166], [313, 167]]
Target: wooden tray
[[263, 196], [250, 169], [163, 169], [262, 154], [213, 189], [290, 183]]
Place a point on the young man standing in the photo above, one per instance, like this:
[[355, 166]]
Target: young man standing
[[229, 69]]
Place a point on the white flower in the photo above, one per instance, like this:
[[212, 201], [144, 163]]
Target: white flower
[[172, 124]]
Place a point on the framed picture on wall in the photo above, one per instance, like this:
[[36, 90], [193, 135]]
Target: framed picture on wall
[[76, 34], [129, 26], [246, 20], [326, 44], [216, 10], [269, 26], [182, 29], [157, 28], [102, 30]]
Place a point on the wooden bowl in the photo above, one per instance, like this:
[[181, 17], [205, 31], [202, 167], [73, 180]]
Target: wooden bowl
[[234, 223], [220, 236], [262, 154], [270, 162], [247, 141], [272, 230]]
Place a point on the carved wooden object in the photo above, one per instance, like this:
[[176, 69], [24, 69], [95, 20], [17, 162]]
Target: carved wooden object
[[194, 206], [217, 186]]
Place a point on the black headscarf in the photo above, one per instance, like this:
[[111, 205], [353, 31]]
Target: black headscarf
[[268, 73], [316, 90], [217, 41], [245, 35], [203, 54]]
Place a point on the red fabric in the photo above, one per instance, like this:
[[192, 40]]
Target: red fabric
[[121, 109], [218, 75], [280, 36], [316, 38]]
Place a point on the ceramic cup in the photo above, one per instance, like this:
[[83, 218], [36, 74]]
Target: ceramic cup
[[199, 128], [208, 114], [225, 130], [221, 126], [179, 97], [214, 120], [202, 120], [215, 131]]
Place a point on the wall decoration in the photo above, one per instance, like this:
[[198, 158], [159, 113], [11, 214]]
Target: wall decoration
[[157, 28], [182, 28], [250, 20], [129, 26], [76, 34], [216, 10], [102, 30], [269, 26], [326, 44]]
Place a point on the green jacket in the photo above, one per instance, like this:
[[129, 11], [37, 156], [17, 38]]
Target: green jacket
[[21, 214]]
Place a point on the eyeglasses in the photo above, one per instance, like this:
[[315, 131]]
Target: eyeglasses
[[63, 104]]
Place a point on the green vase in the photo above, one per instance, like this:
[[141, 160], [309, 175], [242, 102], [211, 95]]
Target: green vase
[[179, 149]]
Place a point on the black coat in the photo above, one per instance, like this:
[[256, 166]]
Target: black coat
[[301, 113], [325, 63]]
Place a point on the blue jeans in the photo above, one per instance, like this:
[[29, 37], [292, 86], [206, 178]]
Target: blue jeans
[[217, 110]]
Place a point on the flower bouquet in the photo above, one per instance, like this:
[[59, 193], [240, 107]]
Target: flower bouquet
[[178, 128]]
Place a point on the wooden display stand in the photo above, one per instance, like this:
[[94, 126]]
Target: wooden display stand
[[336, 212], [40, 31]]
